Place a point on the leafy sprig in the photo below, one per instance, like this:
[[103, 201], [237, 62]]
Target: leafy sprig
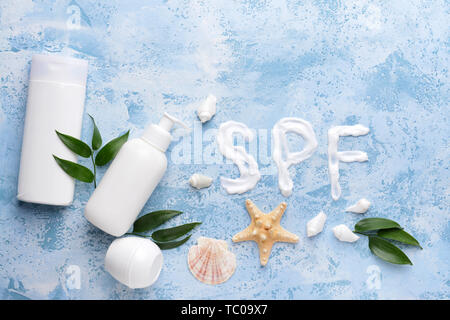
[[379, 231], [164, 238], [102, 157]]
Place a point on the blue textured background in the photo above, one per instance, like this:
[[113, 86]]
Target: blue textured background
[[383, 64]]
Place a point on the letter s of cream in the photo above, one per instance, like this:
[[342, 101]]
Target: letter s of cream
[[279, 131], [345, 156], [247, 165]]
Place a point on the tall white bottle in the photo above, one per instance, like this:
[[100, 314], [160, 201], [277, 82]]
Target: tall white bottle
[[130, 179], [56, 95]]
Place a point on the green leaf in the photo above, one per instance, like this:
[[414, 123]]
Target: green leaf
[[173, 233], [398, 235], [171, 244], [109, 151], [75, 145], [387, 251], [75, 170], [153, 219], [371, 224], [96, 137]]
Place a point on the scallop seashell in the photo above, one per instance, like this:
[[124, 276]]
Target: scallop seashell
[[210, 261]]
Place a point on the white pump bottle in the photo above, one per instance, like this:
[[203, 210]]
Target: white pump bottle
[[131, 178]]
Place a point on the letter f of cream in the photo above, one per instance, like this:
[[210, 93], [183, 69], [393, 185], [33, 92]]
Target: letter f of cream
[[280, 148], [345, 156]]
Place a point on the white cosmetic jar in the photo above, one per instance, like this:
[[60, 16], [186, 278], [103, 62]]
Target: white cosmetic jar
[[134, 261]]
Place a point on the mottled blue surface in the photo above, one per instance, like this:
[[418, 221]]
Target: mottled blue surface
[[383, 64]]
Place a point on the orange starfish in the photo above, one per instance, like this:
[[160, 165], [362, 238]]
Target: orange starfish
[[265, 230]]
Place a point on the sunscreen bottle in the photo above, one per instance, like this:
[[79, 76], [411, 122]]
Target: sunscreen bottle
[[131, 178], [55, 101]]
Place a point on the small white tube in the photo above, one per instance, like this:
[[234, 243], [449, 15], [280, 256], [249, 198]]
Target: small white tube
[[55, 101], [200, 181], [343, 233], [360, 207], [315, 225]]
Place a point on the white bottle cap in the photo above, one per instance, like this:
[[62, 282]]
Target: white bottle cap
[[158, 135], [134, 261], [59, 69]]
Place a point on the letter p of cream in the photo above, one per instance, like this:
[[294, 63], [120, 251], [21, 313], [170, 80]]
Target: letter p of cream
[[345, 156], [280, 148]]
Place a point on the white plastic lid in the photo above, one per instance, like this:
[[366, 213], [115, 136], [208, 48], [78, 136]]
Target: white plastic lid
[[134, 261], [159, 134], [59, 69]]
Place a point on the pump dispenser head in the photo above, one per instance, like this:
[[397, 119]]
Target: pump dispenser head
[[158, 135], [167, 122]]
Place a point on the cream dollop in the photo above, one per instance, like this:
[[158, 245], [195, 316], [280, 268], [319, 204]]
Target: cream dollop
[[207, 109], [343, 233], [280, 145], [315, 225], [360, 207], [246, 164], [200, 181], [345, 156]]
